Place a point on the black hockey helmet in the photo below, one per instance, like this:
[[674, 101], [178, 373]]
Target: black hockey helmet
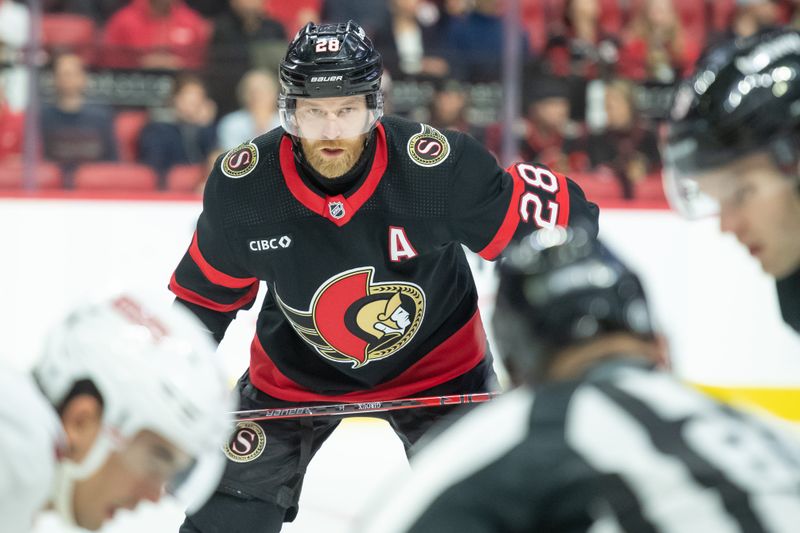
[[326, 61], [559, 288], [743, 97], [331, 60]]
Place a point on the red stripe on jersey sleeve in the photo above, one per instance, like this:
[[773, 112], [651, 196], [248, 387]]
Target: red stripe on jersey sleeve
[[510, 222], [190, 296], [212, 274], [456, 356], [562, 199]]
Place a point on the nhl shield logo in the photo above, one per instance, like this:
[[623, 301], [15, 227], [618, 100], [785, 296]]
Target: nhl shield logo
[[246, 443], [336, 209], [429, 147]]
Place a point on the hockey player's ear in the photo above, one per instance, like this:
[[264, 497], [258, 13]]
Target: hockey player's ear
[[81, 418]]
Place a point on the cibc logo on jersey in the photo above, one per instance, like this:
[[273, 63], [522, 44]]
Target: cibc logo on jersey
[[270, 243], [354, 320], [429, 147]]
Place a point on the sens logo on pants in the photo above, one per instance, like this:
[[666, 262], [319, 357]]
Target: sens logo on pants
[[246, 444]]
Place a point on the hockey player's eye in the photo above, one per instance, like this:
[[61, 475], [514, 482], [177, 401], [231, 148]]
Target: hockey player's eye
[[346, 110]]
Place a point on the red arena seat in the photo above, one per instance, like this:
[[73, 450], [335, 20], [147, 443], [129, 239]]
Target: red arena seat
[[115, 177], [185, 178], [66, 31], [127, 125], [598, 186], [45, 175]]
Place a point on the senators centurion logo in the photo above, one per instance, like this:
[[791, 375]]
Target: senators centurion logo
[[246, 443], [354, 320], [240, 161], [429, 147]]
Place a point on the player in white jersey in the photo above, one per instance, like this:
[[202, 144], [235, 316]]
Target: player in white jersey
[[596, 437], [127, 403]]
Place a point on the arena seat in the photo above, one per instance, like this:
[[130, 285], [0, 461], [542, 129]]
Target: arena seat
[[46, 175], [127, 125], [115, 177], [70, 32], [185, 178], [650, 188], [598, 186]]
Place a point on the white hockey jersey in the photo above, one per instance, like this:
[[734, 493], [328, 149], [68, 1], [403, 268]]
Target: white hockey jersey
[[29, 436]]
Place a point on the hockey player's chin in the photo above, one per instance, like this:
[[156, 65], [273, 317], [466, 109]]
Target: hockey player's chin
[[332, 163]]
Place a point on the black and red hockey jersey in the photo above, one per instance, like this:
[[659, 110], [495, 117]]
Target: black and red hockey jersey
[[370, 295]]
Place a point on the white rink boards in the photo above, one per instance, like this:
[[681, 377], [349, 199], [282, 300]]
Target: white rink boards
[[703, 286]]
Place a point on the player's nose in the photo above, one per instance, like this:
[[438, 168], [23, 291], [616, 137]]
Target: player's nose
[[331, 129], [730, 221]]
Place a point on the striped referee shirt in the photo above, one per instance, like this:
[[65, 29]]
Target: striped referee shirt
[[626, 448]]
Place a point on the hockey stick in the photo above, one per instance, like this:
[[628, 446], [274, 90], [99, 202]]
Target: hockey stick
[[340, 409]]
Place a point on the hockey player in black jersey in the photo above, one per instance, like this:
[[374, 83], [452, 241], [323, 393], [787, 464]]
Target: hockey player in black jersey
[[596, 438], [734, 149], [355, 221]]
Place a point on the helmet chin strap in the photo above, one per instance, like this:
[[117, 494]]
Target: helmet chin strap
[[68, 472]]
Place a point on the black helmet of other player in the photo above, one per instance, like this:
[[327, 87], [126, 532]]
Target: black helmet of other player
[[744, 97], [330, 61], [560, 288]]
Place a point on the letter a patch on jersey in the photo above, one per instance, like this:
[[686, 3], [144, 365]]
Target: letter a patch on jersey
[[400, 248]]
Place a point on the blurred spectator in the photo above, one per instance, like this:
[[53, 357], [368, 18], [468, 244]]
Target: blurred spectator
[[655, 47], [295, 14], [627, 146], [258, 95], [477, 43], [752, 16], [73, 130], [244, 37], [156, 34], [208, 8], [371, 15], [549, 137], [185, 134], [408, 46], [14, 35], [579, 47], [98, 10], [12, 130], [448, 107]]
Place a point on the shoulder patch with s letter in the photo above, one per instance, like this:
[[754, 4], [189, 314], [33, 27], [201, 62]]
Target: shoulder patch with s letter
[[429, 147], [240, 161]]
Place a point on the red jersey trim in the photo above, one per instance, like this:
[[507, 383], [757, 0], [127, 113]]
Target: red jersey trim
[[190, 296], [562, 199], [459, 354], [322, 205], [510, 222], [213, 275]]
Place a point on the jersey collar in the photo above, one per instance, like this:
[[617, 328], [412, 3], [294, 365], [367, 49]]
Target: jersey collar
[[338, 209]]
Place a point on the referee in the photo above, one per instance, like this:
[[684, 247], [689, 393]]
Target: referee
[[608, 442]]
